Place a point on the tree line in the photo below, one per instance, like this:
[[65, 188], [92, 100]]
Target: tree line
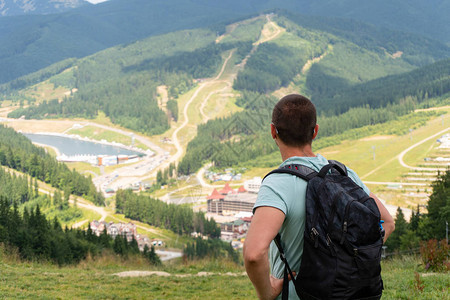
[[421, 84], [270, 68], [18, 153], [417, 49], [180, 219], [36, 238], [423, 226], [127, 93], [245, 135], [210, 248]]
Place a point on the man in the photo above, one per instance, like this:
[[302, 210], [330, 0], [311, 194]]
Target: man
[[280, 206]]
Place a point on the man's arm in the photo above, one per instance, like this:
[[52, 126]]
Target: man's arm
[[266, 223], [388, 224]]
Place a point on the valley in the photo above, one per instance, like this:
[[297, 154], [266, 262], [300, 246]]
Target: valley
[[212, 98], [194, 103]]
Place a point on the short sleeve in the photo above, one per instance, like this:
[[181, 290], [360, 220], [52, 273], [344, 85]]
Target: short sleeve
[[269, 197]]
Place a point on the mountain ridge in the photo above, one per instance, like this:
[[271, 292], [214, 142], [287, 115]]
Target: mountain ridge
[[26, 7], [29, 43]]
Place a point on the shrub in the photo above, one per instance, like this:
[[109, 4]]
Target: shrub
[[435, 255]]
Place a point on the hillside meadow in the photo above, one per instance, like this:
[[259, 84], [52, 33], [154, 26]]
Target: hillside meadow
[[178, 280]]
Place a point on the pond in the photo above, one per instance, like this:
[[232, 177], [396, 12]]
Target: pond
[[72, 146]]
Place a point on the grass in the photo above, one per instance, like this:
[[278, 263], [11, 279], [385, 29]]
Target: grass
[[248, 30], [94, 278], [87, 215], [358, 155], [400, 282], [34, 126], [171, 239], [84, 168], [46, 91], [97, 133]]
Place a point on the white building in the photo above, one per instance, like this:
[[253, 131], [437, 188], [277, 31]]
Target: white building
[[253, 185]]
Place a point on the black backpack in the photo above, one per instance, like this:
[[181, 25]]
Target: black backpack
[[342, 240]]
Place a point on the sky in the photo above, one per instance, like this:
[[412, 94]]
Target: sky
[[96, 1]]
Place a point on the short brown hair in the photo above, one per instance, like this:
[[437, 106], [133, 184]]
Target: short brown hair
[[294, 117]]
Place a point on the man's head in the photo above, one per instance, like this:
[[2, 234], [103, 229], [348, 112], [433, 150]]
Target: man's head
[[294, 118]]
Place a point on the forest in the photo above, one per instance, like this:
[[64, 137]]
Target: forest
[[18, 153], [135, 82], [37, 238], [270, 68], [423, 83], [430, 227], [245, 135], [180, 219]]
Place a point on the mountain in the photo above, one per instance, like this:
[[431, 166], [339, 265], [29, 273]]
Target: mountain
[[29, 43], [23, 7]]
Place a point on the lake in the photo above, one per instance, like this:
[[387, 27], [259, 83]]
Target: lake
[[71, 146]]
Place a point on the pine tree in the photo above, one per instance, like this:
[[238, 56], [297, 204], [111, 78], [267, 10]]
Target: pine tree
[[401, 227], [439, 205], [36, 188]]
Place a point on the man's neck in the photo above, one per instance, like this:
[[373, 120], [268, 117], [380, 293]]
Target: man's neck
[[288, 151]]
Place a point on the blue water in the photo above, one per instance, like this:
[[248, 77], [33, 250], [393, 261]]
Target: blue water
[[70, 146]]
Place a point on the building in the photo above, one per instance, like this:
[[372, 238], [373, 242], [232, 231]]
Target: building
[[228, 201], [253, 185], [234, 230], [114, 229]]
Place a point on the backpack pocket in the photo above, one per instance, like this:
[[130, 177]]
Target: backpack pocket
[[317, 269], [367, 260]]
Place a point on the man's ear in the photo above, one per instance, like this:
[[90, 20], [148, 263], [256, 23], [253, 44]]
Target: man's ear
[[316, 130], [273, 131]]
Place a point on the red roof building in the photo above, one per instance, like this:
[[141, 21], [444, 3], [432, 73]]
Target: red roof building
[[242, 189], [226, 190], [215, 195]]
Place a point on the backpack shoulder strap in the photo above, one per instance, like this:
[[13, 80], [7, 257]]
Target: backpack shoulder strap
[[341, 165], [300, 171], [333, 164]]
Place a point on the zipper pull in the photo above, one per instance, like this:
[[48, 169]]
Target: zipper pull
[[315, 237], [331, 246], [344, 231]]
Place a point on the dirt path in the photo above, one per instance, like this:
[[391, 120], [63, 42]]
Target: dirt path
[[165, 274], [270, 31], [180, 151], [228, 86], [266, 36], [312, 61]]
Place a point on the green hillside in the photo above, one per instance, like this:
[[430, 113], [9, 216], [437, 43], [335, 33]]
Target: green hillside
[[30, 43], [348, 72], [348, 84], [122, 81], [217, 280]]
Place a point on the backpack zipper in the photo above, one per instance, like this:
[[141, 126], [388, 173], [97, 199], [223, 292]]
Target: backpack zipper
[[315, 237], [345, 224]]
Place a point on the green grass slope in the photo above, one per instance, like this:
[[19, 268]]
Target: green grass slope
[[29, 43], [98, 279]]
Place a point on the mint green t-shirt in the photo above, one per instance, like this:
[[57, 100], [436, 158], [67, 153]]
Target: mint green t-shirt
[[287, 193]]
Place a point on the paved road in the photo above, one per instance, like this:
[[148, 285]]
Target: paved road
[[402, 154]]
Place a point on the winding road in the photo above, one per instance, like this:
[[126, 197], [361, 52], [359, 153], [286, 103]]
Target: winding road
[[402, 154]]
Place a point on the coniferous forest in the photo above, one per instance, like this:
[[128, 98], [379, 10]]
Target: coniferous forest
[[18, 153], [37, 238], [178, 218]]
